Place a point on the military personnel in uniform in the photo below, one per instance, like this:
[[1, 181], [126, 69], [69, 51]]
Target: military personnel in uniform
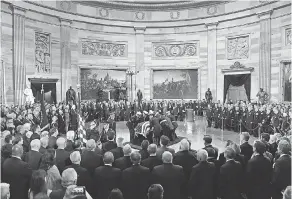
[[249, 119], [209, 115]]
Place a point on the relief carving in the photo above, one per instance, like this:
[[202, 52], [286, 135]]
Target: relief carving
[[65, 5], [288, 36], [175, 15], [212, 10], [103, 48], [103, 12], [175, 50], [238, 47], [140, 15], [42, 52]]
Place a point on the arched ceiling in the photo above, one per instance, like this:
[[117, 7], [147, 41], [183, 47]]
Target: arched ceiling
[[150, 4]]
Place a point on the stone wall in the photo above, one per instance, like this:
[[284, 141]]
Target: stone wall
[[214, 30]]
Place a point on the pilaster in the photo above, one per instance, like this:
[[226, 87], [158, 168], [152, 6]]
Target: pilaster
[[212, 57], [66, 80], [265, 50], [139, 61], [18, 61]]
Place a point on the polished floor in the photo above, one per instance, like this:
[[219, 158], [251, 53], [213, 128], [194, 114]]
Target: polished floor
[[195, 132]]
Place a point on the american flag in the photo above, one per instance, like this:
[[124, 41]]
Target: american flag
[[81, 129]]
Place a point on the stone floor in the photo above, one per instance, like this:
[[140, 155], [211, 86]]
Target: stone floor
[[194, 131]]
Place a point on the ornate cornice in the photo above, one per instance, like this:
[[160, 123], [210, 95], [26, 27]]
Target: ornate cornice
[[265, 14], [17, 10], [150, 5]]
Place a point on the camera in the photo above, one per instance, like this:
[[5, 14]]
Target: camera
[[79, 191]]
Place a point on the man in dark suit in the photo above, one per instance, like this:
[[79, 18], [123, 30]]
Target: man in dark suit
[[282, 170], [135, 179], [110, 144], [118, 151], [155, 127], [229, 185], [245, 148], [33, 157], [106, 178], [125, 161], [61, 154], [202, 178], [170, 176], [83, 178], [164, 141], [155, 191], [36, 129], [212, 151], [17, 173], [152, 161], [89, 159], [53, 139], [44, 144], [185, 159], [258, 173], [70, 135]]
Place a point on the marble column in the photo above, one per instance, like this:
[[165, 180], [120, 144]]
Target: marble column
[[3, 87], [139, 62], [18, 60], [66, 80], [212, 58], [265, 51]]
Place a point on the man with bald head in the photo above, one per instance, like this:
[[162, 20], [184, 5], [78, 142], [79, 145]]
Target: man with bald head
[[33, 157], [170, 176], [83, 178], [61, 154], [17, 173], [106, 177], [135, 179], [202, 177], [118, 151], [124, 162], [152, 161]]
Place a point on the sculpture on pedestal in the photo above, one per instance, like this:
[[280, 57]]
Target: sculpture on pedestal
[[71, 96], [29, 98], [208, 96]]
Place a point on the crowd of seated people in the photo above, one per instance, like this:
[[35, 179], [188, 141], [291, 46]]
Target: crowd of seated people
[[37, 164]]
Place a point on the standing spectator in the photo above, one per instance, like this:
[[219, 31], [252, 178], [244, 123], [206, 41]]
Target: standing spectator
[[164, 141], [70, 135], [287, 193], [17, 173], [106, 177], [202, 178], [282, 170], [135, 179], [144, 153], [245, 147], [258, 173], [212, 151], [33, 157], [53, 138], [185, 159], [124, 162], [44, 145], [170, 176], [116, 194], [152, 161], [110, 144], [89, 158], [155, 191], [37, 183], [229, 185], [118, 151], [61, 154], [53, 175]]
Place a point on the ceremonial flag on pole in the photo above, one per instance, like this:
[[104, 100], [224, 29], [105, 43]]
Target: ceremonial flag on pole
[[81, 130], [44, 117]]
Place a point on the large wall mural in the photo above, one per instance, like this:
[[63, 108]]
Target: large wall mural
[[94, 80], [42, 53], [238, 47], [103, 48], [175, 84], [164, 50]]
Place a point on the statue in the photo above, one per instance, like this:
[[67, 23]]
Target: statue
[[29, 98], [262, 96], [208, 96], [140, 97], [71, 96]]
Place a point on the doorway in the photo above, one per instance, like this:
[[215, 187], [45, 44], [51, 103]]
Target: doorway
[[49, 92], [237, 87]]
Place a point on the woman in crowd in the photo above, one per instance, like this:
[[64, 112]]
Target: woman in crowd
[[37, 183], [52, 173]]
